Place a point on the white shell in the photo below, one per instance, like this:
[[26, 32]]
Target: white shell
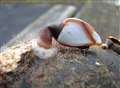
[[74, 35], [97, 37]]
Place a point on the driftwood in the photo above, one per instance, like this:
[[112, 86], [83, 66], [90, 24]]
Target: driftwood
[[95, 68], [70, 68]]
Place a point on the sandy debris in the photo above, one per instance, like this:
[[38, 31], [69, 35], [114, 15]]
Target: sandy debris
[[11, 56]]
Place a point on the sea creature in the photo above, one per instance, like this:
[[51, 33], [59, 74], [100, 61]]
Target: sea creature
[[71, 32], [112, 43]]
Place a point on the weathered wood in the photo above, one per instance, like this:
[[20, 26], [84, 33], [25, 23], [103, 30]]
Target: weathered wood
[[70, 68], [16, 56]]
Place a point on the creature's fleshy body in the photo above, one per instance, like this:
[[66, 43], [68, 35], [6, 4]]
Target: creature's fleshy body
[[71, 32], [112, 43]]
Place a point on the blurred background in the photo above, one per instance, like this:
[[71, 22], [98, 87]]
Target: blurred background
[[15, 15], [43, 1]]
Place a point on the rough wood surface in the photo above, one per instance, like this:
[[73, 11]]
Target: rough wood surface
[[96, 68], [70, 68], [16, 55]]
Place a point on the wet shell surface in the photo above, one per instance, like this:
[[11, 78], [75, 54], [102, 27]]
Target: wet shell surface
[[73, 35]]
